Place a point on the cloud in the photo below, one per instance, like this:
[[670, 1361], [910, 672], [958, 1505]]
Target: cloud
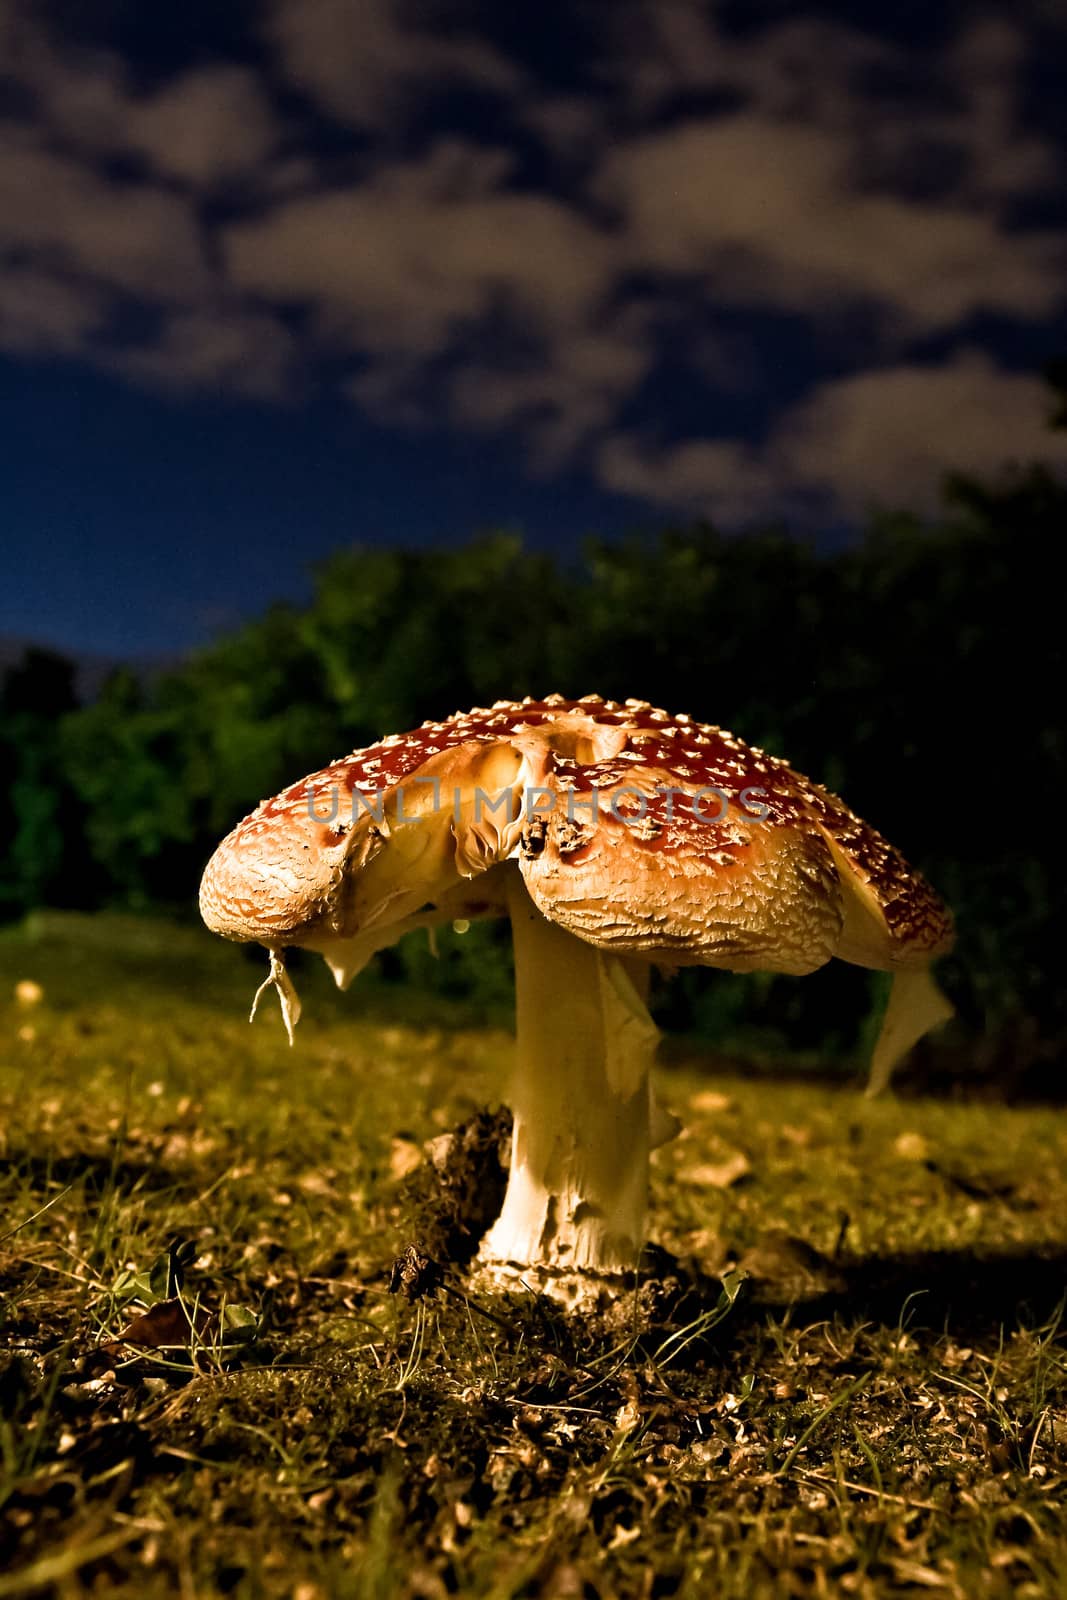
[[469, 299], [80, 248], [659, 54], [125, 236], [878, 438], [419, 249], [220, 348], [721, 479], [205, 127], [313, 215], [562, 401], [769, 213], [895, 108], [986, 64], [366, 63], [784, 200], [827, 167], [42, 314]]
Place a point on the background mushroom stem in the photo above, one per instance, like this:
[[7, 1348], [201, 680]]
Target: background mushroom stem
[[577, 1192]]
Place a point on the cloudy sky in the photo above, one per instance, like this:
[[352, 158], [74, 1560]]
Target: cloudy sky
[[277, 275]]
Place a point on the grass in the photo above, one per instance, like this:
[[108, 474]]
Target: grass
[[877, 1407]]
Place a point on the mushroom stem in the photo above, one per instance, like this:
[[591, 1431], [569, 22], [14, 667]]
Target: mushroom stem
[[577, 1193]]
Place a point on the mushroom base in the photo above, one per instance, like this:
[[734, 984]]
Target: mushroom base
[[577, 1193], [585, 1292]]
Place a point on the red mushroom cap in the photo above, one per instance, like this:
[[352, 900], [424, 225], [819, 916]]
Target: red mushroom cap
[[701, 849]]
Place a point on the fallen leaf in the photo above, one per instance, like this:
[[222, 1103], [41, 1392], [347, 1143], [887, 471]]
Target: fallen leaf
[[710, 1100], [404, 1156], [911, 1147], [167, 1324], [718, 1174]]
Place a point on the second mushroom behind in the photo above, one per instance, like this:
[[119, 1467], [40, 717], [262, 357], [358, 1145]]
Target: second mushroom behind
[[613, 836]]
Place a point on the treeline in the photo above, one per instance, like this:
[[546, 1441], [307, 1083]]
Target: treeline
[[918, 672]]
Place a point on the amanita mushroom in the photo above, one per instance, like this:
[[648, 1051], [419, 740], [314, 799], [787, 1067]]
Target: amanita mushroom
[[613, 836]]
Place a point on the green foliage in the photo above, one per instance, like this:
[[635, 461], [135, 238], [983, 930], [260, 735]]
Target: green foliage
[[916, 672], [36, 801]]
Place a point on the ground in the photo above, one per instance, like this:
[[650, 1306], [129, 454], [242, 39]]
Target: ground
[[848, 1378]]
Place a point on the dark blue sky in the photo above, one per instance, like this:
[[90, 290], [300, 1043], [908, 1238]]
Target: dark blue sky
[[137, 523], [283, 275]]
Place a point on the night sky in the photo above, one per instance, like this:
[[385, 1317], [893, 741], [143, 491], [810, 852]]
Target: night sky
[[280, 276]]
